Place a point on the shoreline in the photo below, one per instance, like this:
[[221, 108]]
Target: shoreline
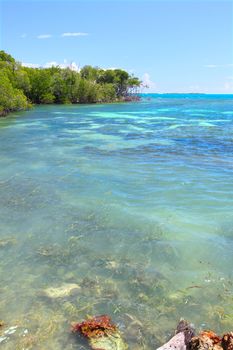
[[5, 114]]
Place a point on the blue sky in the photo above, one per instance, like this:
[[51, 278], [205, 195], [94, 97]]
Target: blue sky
[[175, 46]]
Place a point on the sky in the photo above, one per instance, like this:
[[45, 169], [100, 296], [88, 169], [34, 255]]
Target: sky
[[173, 46]]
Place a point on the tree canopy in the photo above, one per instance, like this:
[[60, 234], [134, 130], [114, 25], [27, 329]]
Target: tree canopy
[[20, 87]]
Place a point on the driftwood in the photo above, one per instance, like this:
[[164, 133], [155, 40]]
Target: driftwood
[[182, 338], [185, 339]]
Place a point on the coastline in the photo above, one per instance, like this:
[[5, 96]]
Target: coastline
[[127, 99]]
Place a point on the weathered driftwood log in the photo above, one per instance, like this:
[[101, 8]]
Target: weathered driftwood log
[[182, 338], [206, 340]]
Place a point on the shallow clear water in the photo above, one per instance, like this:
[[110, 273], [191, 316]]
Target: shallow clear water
[[132, 202]]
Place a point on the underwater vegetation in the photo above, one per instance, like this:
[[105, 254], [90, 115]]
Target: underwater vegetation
[[143, 303], [107, 210]]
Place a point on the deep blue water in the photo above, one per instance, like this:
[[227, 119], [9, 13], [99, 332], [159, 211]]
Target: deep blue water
[[133, 202]]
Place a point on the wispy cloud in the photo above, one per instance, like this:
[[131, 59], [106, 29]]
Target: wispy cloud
[[147, 82], [110, 68], [63, 35], [23, 36], [210, 66], [218, 65], [30, 65], [50, 64], [73, 34], [44, 36], [195, 88], [72, 65], [228, 87]]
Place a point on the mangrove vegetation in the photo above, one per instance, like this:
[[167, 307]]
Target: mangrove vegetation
[[21, 87]]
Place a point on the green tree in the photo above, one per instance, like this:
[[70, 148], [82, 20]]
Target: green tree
[[11, 99], [65, 86], [89, 73], [6, 57], [41, 85], [18, 85], [22, 81], [106, 93]]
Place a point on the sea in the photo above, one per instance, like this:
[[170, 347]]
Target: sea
[[122, 209]]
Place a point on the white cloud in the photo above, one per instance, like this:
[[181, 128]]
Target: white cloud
[[195, 88], [74, 34], [23, 36], [147, 82], [44, 36], [30, 65], [210, 66], [72, 65], [110, 68], [218, 65], [228, 87], [50, 64]]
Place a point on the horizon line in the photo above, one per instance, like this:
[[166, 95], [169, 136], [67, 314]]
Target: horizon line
[[186, 93]]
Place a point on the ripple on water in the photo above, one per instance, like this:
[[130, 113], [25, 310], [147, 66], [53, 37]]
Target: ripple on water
[[132, 203]]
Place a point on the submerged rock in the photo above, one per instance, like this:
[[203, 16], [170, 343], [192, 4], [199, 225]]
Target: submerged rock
[[7, 242], [63, 291], [109, 342]]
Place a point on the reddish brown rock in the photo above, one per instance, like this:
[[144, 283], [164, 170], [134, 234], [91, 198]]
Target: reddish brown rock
[[227, 341], [206, 340], [101, 333]]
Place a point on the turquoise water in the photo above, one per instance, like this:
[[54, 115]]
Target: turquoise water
[[131, 202]]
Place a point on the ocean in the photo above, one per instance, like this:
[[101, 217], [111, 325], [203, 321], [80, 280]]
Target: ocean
[[132, 203]]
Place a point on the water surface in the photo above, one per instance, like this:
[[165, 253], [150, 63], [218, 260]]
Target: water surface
[[131, 202]]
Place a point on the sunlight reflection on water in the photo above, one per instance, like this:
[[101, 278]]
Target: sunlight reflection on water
[[132, 202]]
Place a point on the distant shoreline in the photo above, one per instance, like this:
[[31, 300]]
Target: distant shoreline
[[183, 93]]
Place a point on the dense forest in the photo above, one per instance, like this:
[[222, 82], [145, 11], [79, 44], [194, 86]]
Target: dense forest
[[21, 87]]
